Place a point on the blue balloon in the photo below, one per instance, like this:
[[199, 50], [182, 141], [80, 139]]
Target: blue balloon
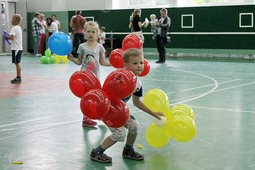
[[60, 43]]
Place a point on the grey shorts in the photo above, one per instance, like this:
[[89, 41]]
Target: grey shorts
[[119, 134]]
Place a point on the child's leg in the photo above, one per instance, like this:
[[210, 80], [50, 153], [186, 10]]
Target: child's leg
[[18, 69], [128, 151]]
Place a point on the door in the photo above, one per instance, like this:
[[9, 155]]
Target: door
[[21, 8]]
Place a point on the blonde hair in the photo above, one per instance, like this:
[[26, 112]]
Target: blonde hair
[[17, 17], [91, 24], [136, 12], [153, 16], [131, 52], [163, 10]]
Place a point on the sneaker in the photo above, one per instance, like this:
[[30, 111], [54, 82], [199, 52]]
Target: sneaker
[[87, 122], [16, 80], [38, 55], [132, 154]]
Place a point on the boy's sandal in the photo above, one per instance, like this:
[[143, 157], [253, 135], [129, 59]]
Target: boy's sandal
[[102, 158], [133, 155]]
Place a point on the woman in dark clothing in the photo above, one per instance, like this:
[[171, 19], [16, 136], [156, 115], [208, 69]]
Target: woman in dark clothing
[[137, 23]]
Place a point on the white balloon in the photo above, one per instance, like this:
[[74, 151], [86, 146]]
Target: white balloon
[[162, 122]]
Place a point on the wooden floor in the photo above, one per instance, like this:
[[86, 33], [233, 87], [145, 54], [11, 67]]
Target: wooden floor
[[40, 123]]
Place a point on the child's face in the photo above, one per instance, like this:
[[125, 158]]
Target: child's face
[[91, 33], [135, 64], [152, 18]]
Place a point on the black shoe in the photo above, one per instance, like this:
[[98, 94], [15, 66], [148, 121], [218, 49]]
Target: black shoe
[[159, 61], [16, 81]]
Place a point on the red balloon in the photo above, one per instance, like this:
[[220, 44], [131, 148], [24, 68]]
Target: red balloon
[[132, 41], [82, 81], [118, 114], [95, 104], [120, 83], [116, 58], [146, 68]]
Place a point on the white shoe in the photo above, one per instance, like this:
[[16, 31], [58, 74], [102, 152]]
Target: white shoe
[[38, 55]]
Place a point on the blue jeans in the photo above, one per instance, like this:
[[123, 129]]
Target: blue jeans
[[37, 40]]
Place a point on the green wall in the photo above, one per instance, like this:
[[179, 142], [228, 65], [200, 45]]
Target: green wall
[[213, 27]]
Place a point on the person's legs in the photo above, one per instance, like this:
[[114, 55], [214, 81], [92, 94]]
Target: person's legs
[[75, 44], [41, 44], [37, 40], [98, 155], [16, 59], [87, 122], [81, 38], [128, 151], [161, 49]]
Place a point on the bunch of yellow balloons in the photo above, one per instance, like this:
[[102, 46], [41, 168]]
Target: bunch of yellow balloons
[[178, 122], [60, 59]]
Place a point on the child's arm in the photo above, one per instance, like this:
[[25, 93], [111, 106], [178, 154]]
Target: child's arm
[[140, 105], [102, 60], [75, 60]]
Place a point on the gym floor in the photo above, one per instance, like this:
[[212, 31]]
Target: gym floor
[[40, 123]]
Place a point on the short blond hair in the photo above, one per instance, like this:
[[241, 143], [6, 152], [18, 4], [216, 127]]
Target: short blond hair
[[131, 52], [17, 17], [91, 24]]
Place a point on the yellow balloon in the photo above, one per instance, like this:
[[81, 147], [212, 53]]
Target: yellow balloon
[[183, 128], [182, 109], [157, 101], [65, 59], [157, 136]]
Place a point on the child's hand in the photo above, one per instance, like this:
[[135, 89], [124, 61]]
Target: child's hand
[[70, 57], [158, 114]]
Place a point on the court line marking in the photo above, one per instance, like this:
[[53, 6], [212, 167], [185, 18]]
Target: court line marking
[[32, 120], [222, 109], [216, 84], [230, 81], [32, 131], [240, 85], [36, 126]]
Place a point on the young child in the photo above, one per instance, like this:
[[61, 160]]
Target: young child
[[102, 35], [134, 61], [91, 54], [15, 36], [154, 25]]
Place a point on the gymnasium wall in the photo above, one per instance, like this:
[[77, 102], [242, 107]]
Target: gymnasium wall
[[219, 27]]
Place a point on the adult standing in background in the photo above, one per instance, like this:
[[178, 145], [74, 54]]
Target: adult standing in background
[[137, 23], [54, 18], [36, 26], [164, 24], [52, 26], [77, 23], [41, 47]]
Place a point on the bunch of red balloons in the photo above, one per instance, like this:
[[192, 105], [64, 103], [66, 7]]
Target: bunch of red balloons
[[116, 57], [104, 102]]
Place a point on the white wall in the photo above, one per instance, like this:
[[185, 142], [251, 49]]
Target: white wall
[[66, 5]]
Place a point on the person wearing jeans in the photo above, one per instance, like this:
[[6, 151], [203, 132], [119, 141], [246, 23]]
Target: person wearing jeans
[[36, 25]]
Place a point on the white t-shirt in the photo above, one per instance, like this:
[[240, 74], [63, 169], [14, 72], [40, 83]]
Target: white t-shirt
[[53, 27], [102, 36], [16, 43]]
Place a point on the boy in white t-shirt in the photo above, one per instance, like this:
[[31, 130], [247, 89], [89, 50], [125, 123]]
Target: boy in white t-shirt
[[15, 36]]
